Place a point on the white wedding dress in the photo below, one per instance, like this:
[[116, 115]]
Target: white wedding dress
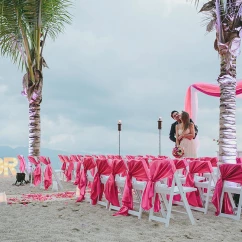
[[189, 146]]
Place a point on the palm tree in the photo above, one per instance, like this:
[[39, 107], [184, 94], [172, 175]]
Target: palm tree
[[24, 27], [225, 16]]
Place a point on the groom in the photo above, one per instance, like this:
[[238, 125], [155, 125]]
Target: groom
[[176, 116]]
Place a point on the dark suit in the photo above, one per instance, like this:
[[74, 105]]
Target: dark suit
[[173, 131]]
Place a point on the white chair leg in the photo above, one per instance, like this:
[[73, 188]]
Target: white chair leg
[[239, 206], [184, 199]]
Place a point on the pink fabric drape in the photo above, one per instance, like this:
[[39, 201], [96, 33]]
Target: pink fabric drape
[[78, 173], [63, 167], [159, 169], [88, 164], [75, 158], [212, 160], [48, 171], [111, 190], [37, 170], [231, 173], [22, 164], [208, 89], [70, 168], [194, 198], [135, 169], [103, 168]]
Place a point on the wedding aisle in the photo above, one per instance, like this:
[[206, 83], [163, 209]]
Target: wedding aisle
[[68, 221]]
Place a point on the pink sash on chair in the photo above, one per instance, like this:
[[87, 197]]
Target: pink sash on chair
[[70, 168], [103, 168], [48, 171], [78, 168], [22, 164], [213, 160], [162, 157], [231, 173], [194, 198], [135, 169], [88, 164], [63, 167], [159, 169], [37, 170], [111, 190]]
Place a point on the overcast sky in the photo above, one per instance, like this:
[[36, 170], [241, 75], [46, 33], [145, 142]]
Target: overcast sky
[[129, 60]]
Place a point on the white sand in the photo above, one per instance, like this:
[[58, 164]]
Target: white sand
[[67, 221]]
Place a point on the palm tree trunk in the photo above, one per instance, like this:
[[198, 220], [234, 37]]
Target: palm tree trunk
[[227, 131], [34, 129]]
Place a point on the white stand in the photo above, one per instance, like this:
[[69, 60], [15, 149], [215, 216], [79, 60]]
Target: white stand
[[3, 198]]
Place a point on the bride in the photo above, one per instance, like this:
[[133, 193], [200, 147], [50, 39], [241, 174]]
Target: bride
[[185, 133]]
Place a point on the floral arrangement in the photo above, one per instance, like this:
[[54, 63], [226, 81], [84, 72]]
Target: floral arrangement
[[178, 152]]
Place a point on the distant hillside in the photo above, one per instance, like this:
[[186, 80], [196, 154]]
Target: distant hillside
[[6, 151]]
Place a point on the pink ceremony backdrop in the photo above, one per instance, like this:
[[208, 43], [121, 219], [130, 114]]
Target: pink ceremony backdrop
[[191, 102]]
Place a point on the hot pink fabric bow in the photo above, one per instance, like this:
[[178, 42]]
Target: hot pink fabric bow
[[75, 158], [135, 169], [63, 167], [68, 172], [111, 190], [103, 168], [231, 173], [213, 160], [48, 171], [159, 169], [22, 164], [194, 198], [37, 170], [88, 164]]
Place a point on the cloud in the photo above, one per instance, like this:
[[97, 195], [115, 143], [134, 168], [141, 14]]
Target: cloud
[[3, 88], [128, 60]]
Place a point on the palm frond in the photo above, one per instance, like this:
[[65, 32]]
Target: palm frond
[[23, 22]]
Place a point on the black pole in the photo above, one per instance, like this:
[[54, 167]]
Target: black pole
[[159, 128], [119, 143], [119, 130]]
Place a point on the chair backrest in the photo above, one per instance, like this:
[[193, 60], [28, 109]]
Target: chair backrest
[[33, 160], [137, 169], [74, 158], [180, 164], [231, 172], [61, 158], [200, 167], [212, 160], [88, 163], [162, 157], [161, 168], [44, 160], [102, 157], [118, 166], [66, 158], [80, 158], [103, 167]]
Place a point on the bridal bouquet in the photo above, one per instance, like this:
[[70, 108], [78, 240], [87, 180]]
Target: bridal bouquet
[[178, 152]]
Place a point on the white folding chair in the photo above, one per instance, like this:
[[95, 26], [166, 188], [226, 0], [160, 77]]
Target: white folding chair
[[231, 178], [166, 208]]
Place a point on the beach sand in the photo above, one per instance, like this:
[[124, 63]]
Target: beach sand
[[68, 221]]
